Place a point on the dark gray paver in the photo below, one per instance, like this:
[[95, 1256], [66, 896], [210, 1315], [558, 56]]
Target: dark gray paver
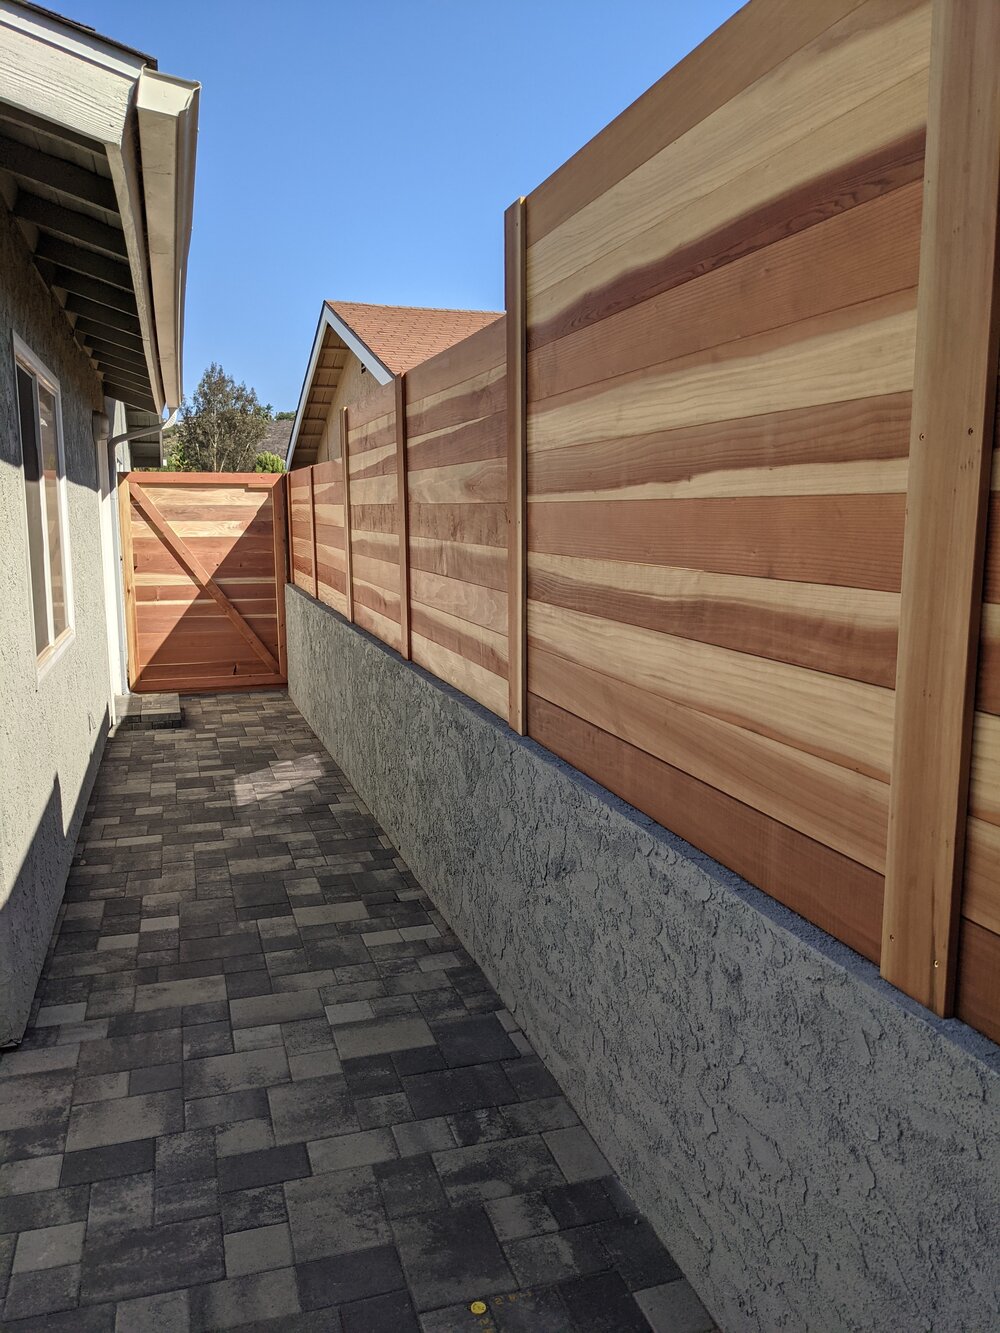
[[266, 1087]]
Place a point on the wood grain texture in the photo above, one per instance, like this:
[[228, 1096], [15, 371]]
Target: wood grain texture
[[402, 507], [869, 251], [472, 679], [829, 889], [842, 721], [517, 460], [205, 564], [978, 998], [841, 808], [843, 631], [848, 540], [753, 43], [954, 398]]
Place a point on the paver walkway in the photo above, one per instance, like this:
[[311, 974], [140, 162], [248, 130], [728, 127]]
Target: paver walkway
[[264, 1086]]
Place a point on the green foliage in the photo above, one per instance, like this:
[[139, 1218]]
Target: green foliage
[[268, 462], [221, 429], [284, 416]]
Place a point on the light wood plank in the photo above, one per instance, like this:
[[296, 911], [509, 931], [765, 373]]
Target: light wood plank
[[950, 445], [488, 689]]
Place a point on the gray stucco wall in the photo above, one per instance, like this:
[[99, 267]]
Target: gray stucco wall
[[52, 729], [816, 1151]]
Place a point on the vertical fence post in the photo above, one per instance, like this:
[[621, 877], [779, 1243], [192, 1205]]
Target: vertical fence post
[[948, 490], [517, 591], [346, 470], [402, 500], [312, 530], [279, 533], [128, 578]]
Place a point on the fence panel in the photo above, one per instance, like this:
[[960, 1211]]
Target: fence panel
[[720, 365], [457, 481], [300, 529], [374, 527]]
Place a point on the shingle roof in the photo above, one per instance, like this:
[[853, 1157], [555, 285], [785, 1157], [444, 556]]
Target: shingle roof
[[403, 336]]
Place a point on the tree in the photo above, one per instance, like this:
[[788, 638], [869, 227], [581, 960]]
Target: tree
[[221, 429], [268, 462], [284, 416]]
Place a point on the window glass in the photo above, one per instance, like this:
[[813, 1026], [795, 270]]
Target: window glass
[[49, 430], [33, 500], [44, 500]]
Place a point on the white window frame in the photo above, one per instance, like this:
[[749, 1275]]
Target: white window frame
[[27, 360]]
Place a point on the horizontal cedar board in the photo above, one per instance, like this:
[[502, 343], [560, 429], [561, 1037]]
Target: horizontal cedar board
[[235, 589], [992, 589], [255, 481], [764, 241], [481, 398], [154, 680], [376, 545], [377, 404], [846, 722], [486, 437], [330, 534], [206, 616], [366, 439], [475, 681], [863, 351], [468, 601], [845, 632], [382, 518], [484, 647], [978, 1000], [331, 577], [831, 105], [827, 888], [383, 628], [480, 524], [755, 41], [482, 350], [832, 804], [869, 251], [988, 678], [851, 540], [981, 895], [385, 601], [373, 490], [220, 563], [485, 566], [380, 462], [245, 515], [461, 483], [855, 431]]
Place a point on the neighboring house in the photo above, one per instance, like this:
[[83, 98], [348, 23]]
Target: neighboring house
[[359, 347], [97, 153], [277, 438]]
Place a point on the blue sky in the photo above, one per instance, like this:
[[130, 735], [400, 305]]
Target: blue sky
[[366, 151]]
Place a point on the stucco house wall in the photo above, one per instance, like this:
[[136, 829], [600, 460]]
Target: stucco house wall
[[355, 386], [53, 726]]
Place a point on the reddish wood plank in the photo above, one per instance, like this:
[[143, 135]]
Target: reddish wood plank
[[977, 1000], [835, 893]]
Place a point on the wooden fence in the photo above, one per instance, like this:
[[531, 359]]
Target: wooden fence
[[656, 518]]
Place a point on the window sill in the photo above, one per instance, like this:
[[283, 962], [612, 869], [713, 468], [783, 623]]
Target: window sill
[[49, 656]]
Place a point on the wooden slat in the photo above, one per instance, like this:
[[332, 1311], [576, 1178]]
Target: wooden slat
[[827, 888], [346, 476], [950, 444], [517, 449], [279, 532], [402, 504], [190, 562], [978, 998], [755, 41], [128, 578]]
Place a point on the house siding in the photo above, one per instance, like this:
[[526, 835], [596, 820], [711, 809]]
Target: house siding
[[52, 729], [356, 385]]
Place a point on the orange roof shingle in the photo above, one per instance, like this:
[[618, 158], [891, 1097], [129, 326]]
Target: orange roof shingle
[[403, 336]]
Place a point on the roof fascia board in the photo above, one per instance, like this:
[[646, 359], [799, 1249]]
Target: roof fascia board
[[64, 75], [167, 109], [328, 319]]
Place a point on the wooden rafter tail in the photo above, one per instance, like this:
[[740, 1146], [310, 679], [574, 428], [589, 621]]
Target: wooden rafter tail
[[186, 557]]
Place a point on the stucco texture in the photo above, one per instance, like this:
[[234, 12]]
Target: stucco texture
[[816, 1151], [52, 728]]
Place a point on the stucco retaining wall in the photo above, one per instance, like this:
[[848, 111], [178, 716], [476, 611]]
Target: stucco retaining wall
[[52, 728], [816, 1151]]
